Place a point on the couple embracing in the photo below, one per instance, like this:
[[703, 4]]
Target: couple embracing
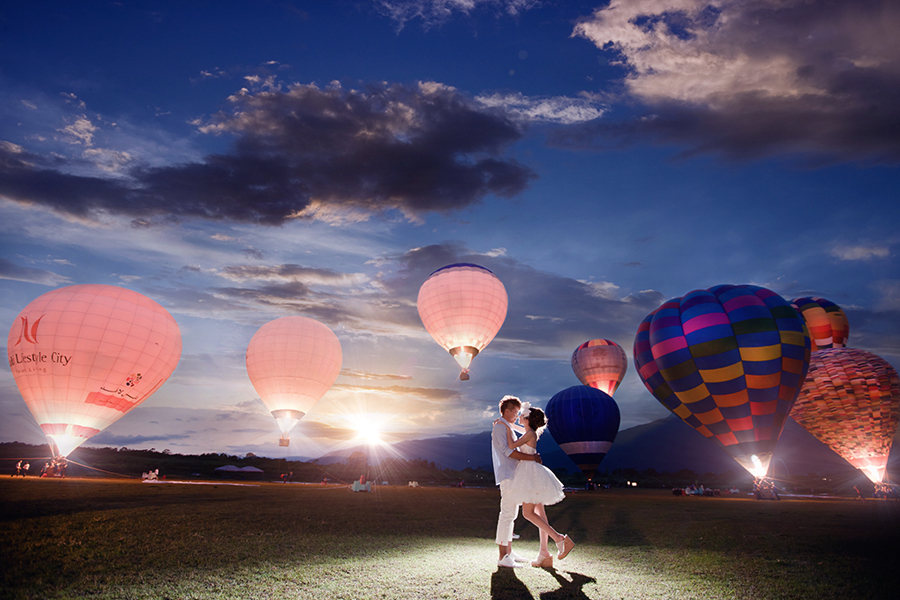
[[524, 482]]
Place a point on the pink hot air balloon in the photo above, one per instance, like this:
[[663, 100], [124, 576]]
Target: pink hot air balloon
[[292, 362], [600, 364], [84, 355], [463, 307]]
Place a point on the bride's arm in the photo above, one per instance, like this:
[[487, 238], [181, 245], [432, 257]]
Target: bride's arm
[[516, 443]]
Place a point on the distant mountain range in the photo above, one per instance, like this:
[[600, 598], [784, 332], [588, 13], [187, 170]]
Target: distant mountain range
[[666, 445]]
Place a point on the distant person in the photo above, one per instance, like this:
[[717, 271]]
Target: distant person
[[505, 460], [25, 468], [18, 469], [535, 486]]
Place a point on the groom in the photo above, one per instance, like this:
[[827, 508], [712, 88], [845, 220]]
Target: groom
[[504, 467]]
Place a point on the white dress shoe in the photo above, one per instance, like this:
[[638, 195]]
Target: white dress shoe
[[517, 557]]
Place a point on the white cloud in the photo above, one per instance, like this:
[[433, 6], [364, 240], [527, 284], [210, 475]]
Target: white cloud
[[688, 50], [555, 109], [79, 131], [432, 12], [70, 98], [295, 273], [712, 50], [601, 289], [860, 252], [105, 159], [753, 77], [221, 237], [542, 318]]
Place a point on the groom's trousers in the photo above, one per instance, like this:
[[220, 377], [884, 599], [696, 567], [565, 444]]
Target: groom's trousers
[[509, 510]]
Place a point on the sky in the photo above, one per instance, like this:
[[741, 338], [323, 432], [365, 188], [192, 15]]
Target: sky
[[242, 161]]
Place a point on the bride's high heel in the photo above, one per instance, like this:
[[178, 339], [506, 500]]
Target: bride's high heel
[[544, 561], [564, 546]]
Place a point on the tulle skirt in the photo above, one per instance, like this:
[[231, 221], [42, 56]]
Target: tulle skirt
[[534, 483]]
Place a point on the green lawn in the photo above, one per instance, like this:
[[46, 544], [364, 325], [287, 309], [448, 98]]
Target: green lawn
[[124, 539]]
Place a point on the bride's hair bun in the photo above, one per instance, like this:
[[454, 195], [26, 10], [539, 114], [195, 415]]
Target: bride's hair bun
[[537, 420]]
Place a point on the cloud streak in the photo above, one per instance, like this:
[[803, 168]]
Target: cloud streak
[[14, 272], [556, 109]]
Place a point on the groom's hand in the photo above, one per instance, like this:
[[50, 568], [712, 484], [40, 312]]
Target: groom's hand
[[537, 459]]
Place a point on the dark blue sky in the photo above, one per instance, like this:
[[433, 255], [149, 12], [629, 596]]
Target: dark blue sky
[[242, 161]]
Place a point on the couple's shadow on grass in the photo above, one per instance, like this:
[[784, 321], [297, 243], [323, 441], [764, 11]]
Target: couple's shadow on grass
[[506, 586]]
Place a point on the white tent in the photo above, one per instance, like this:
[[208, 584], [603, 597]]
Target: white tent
[[242, 472]]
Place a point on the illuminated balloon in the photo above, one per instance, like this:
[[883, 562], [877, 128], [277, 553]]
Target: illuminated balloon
[[730, 362], [292, 362], [463, 307], [600, 364], [84, 355], [827, 323], [584, 422], [851, 403]]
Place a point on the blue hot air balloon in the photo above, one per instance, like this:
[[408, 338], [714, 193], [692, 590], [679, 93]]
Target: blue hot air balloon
[[584, 422]]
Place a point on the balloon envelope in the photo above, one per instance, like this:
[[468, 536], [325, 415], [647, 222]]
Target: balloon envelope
[[463, 307], [851, 403], [584, 422], [292, 362], [827, 323], [84, 355], [730, 362], [600, 364]]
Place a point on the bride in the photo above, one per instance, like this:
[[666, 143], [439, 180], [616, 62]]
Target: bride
[[535, 486]]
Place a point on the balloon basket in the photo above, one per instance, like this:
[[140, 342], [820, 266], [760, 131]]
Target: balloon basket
[[464, 376], [765, 489], [284, 441]]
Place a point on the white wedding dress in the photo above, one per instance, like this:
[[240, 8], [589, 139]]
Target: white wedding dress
[[533, 483]]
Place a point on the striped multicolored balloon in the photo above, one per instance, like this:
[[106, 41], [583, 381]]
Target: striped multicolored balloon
[[851, 403], [584, 422], [600, 364], [730, 362], [827, 323]]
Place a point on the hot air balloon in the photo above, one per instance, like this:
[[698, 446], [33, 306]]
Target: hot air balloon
[[462, 306], [827, 323], [84, 355], [851, 403], [600, 364], [584, 422], [730, 362], [292, 362]]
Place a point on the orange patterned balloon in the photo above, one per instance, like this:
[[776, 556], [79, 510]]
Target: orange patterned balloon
[[851, 403], [827, 323], [600, 364]]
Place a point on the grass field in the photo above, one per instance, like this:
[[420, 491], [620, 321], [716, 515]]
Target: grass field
[[123, 539]]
